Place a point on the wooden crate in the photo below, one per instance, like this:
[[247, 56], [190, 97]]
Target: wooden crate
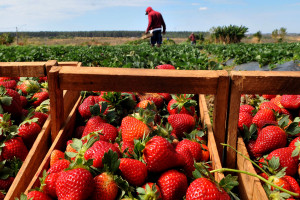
[[31, 163], [67, 130], [253, 82]]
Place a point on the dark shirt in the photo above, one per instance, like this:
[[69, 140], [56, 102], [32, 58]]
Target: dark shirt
[[155, 20], [192, 37]]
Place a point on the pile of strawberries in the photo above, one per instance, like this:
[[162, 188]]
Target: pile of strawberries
[[132, 146], [270, 125], [24, 107]]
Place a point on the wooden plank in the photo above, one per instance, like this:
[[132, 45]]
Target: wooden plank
[[59, 143], [233, 117], [249, 186], [272, 82], [211, 143], [31, 163], [72, 63], [23, 70], [139, 80], [56, 101], [220, 110]]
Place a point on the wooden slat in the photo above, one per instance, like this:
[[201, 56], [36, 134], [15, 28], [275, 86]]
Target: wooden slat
[[23, 70], [220, 111], [59, 143], [249, 186], [139, 80], [72, 63], [211, 143]]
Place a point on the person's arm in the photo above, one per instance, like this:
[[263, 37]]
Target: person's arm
[[149, 23], [163, 24]]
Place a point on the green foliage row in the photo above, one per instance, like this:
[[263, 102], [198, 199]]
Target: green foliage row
[[265, 54], [124, 56], [228, 34]]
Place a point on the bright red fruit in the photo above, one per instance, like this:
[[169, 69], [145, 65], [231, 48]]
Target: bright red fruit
[[134, 171], [165, 66], [38, 195], [244, 119], [181, 123]]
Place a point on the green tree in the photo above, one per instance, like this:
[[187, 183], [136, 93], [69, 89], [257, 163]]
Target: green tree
[[258, 35], [275, 34]]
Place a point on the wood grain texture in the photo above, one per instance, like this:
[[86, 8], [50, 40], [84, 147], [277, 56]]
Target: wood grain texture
[[211, 143], [23, 69], [249, 186], [139, 80]]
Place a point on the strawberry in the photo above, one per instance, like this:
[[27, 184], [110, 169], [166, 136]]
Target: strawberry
[[24, 101], [49, 185], [293, 183], [58, 166], [268, 96], [203, 188], [277, 100], [182, 104], [14, 147], [286, 112], [91, 124], [181, 123], [127, 148], [205, 153], [39, 97], [84, 108], [133, 128], [41, 118], [38, 195], [270, 105], [28, 131], [244, 119], [29, 87], [154, 97], [107, 131], [286, 159], [98, 150], [290, 101], [10, 84], [55, 156], [6, 183], [250, 147], [134, 171], [10, 102], [188, 160], [105, 187], [194, 147], [76, 183], [264, 114], [165, 66], [166, 96], [269, 139], [143, 104], [43, 79], [173, 185], [246, 108], [160, 155], [149, 191]]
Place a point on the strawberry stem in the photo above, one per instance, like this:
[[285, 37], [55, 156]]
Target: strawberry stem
[[257, 176], [256, 165]]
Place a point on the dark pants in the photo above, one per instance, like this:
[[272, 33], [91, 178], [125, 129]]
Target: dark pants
[[156, 37]]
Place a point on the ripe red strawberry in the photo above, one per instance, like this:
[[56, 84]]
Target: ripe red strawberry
[[193, 146], [84, 108], [154, 97], [286, 159], [269, 96], [166, 96], [28, 131], [23, 101], [293, 183], [42, 117], [165, 66], [11, 102], [6, 183], [286, 112], [107, 131], [264, 114], [10, 84], [246, 108], [182, 104], [250, 147], [269, 139], [14, 147], [75, 184], [58, 166], [39, 97], [29, 87], [55, 156], [290, 101], [270, 105], [134, 171], [159, 155], [188, 160], [98, 150], [105, 187], [2, 195], [143, 104], [173, 185], [203, 188], [43, 79], [277, 100], [133, 128], [93, 122], [205, 153], [49, 186], [128, 147], [38, 195], [181, 123], [262, 123], [244, 119]]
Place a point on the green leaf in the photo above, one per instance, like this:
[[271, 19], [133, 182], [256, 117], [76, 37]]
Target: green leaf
[[76, 144], [6, 100]]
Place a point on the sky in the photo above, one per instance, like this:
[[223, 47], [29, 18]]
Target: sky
[[179, 15]]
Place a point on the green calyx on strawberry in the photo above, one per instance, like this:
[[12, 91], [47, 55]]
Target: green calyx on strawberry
[[149, 192], [43, 107], [4, 99], [6, 125], [182, 103], [292, 128], [250, 133], [28, 87]]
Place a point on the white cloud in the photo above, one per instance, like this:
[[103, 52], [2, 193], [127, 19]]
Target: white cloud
[[203, 8]]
